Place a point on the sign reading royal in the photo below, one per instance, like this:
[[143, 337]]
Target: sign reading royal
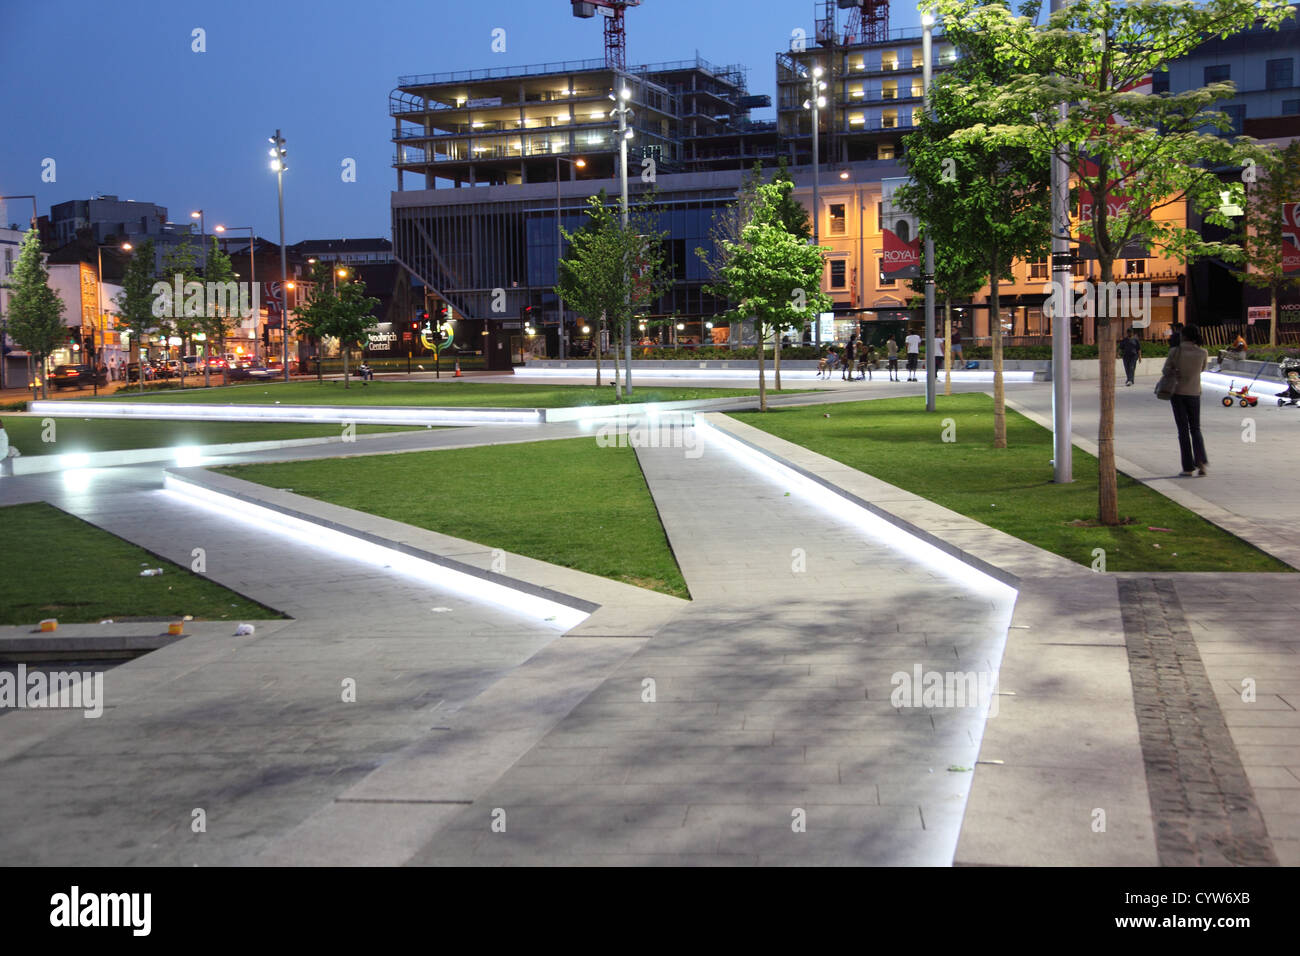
[[901, 252], [1291, 238]]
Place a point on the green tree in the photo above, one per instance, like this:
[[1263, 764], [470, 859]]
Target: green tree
[[341, 312], [728, 225], [216, 322], [315, 319], [1277, 180], [612, 271], [35, 312], [136, 316], [186, 316], [1138, 152], [983, 200], [773, 275]]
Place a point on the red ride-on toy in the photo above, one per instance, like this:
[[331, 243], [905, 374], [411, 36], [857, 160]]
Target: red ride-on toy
[[1243, 396]]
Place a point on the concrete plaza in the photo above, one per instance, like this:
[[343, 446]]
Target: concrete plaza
[[751, 725]]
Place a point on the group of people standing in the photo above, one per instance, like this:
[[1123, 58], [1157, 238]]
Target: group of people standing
[[912, 349]]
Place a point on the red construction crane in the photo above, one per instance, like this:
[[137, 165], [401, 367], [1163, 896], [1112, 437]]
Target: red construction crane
[[868, 21], [615, 35]]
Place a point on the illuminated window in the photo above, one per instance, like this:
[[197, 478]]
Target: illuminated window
[[838, 219]]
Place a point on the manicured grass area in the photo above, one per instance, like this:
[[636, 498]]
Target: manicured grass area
[[463, 392], [569, 502], [96, 434], [55, 565], [1011, 489]]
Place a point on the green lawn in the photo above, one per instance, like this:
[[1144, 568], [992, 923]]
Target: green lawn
[[464, 392], [569, 502], [55, 565], [1011, 489], [97, 434]]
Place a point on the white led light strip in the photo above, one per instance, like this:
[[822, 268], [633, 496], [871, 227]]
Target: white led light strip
[[471, 587], [328, 414]]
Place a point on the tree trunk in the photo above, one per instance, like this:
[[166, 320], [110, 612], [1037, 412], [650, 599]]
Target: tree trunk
[[762, 381], [1107, 484], [999, 387], [320, 368], [207, 362], [947, 346], [618, 383], [776, 357], [600, 333], [343, 350]]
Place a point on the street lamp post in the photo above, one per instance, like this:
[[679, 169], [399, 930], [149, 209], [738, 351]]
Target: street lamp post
[[203, 238], [814, 103], [252, 269], [559, 244], [624, 134], [931, 366], [99, 307], [1063, 280], [278, 152]]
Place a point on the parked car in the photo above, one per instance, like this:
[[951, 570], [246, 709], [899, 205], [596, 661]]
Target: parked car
[[68, 376], [243, 371]]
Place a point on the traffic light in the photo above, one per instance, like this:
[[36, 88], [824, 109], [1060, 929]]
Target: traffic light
[[444, 312], [266, 336]]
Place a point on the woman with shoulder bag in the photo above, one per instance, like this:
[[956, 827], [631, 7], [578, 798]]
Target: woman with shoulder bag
[[1186, 362]]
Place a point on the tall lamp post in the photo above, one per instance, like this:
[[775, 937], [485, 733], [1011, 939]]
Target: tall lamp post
[[814, 103], [278, 152], [559, 243], [99, 307], [931, 366], [203, 237], [1063, 279], [622, 111], [252, 268]]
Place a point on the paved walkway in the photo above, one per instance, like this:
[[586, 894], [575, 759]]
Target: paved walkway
[[771, 700], [771, 737]]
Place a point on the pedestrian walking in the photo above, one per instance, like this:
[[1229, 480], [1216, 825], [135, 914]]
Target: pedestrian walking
[[1186, 362], [846, 373], [938, 355], [1131, 352], [891, 353], [913, 343], [1175, 335], [956, 345]]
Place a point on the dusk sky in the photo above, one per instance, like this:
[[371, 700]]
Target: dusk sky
[[113, 93]]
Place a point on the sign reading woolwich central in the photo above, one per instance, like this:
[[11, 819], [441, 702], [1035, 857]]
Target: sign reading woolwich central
[[901, 252]]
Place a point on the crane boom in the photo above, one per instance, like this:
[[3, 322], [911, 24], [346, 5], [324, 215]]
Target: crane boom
[[615, 33]]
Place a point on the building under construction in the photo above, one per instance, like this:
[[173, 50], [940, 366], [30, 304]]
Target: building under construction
[[487, 159]]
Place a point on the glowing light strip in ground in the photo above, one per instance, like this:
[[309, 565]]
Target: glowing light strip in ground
[[1265, 389], [886, 533], [329, 414], [538, 609], [1002, 596]]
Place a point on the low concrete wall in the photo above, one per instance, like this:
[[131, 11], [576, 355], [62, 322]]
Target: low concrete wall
[[1082, 370]]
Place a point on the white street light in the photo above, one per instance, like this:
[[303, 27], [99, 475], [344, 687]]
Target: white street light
[[277, 164]]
